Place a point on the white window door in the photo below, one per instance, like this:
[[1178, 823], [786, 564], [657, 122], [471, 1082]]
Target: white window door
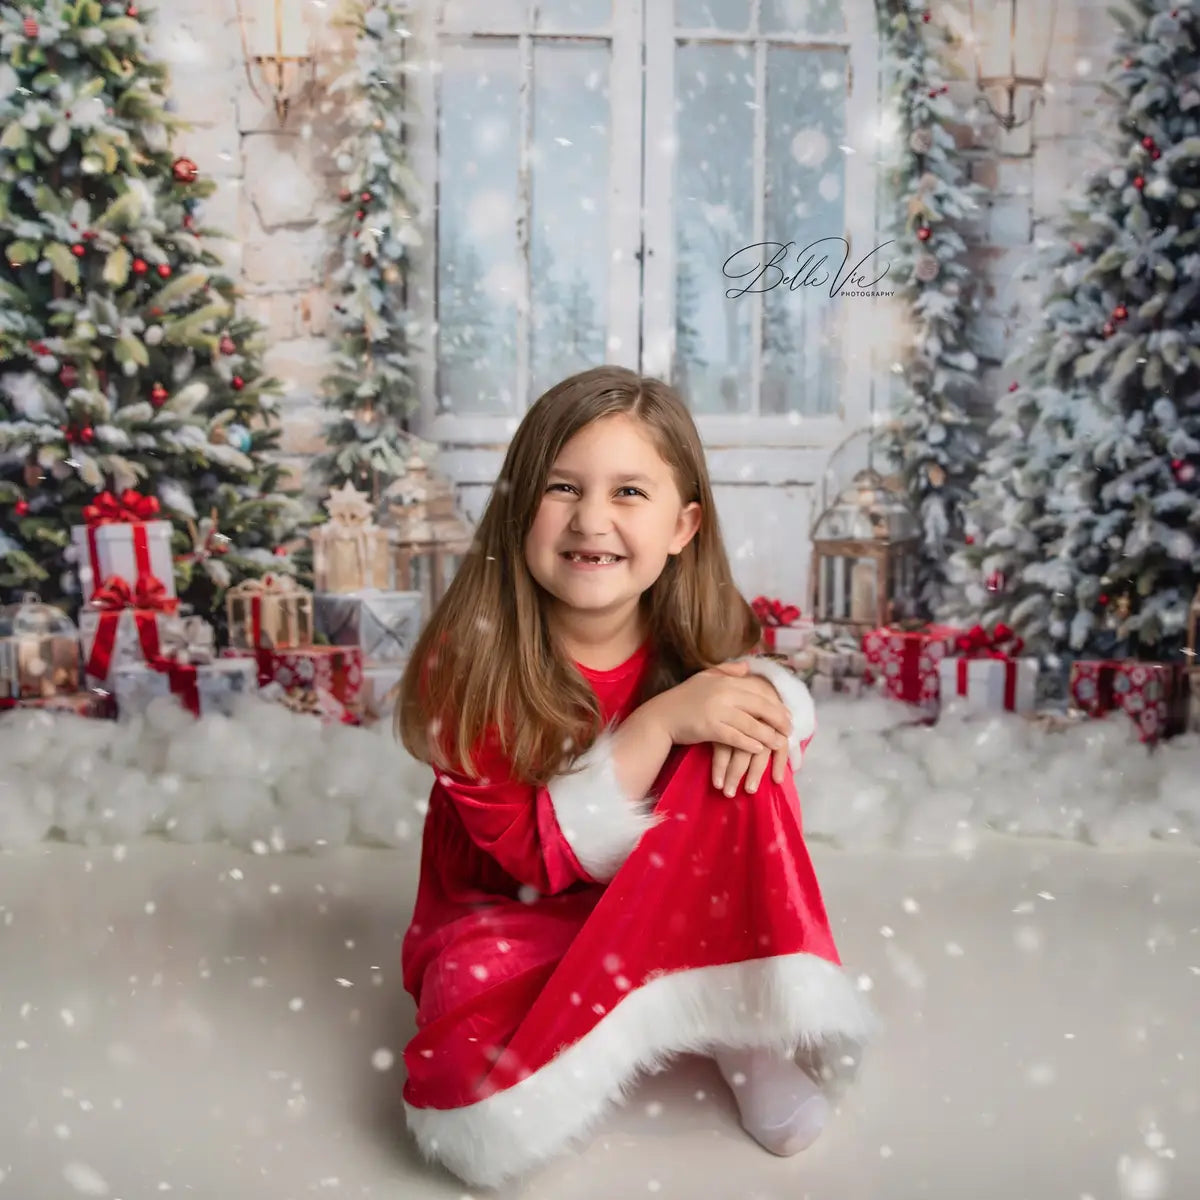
[[610, 180]]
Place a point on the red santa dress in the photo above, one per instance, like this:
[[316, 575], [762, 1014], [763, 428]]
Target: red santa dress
[[566, 938]]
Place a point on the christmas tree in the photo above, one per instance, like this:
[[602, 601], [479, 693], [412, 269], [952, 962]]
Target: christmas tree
[[370, 391], [1095, 487], [123, 361], [930, 435]]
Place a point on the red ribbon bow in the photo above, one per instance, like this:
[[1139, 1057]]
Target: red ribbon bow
[[130, 506], [147, 598], [149, 592], [773, 612], [978, 643]]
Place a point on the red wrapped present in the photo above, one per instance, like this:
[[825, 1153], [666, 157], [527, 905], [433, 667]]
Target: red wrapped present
[[1153, 695], [906, 661], [336, 670]]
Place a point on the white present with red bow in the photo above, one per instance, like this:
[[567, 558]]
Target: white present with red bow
[[987, 674], [785, 630], [123, 538], [123, 626]]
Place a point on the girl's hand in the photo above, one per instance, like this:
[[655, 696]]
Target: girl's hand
[[725, 705], [730, 765]]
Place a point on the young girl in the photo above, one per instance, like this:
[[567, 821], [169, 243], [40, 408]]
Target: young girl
[[595, 895]]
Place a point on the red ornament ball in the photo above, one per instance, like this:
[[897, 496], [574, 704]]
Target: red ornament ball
[[1120, 312], [140, 266], [344, 195], [78, 250], [87, 435], [237, 383], [1185, 472], [924, 233], [21, 508], [164, 269], [1103, 598], [927, 16], [995, 581], [1148, 142], [68, 376], [131, 11], [933, 93], [1012, 387], [189, 222], [1139, 182], [228, 345], [185, 171], [30, 26], [89, 235], [158, 395], [1109, 329], [1156, 154], [970, 539], [280, 552], [365, 197]]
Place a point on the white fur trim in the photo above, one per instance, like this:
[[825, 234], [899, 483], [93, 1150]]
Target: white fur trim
[[789, 1003], [795, 695], [599, 821]]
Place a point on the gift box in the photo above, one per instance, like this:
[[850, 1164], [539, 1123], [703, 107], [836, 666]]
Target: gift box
[[990, 684], [119, 637], [202, 688], [1153, 695], [784, 629], [905, 661], [123, 538], [350, 552], [271, 613], [82, 704], [381, 685], [39, 651], [383, 625], [337, 670]]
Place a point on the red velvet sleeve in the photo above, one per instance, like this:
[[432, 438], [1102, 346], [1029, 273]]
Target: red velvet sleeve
[[514, 823]]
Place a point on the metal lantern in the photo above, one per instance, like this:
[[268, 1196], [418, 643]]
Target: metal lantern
[[864, 556], [429, 539], [275, 39], [1012, 43], [39, 651]]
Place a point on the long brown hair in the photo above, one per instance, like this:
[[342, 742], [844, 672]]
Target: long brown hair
[[486, 658]]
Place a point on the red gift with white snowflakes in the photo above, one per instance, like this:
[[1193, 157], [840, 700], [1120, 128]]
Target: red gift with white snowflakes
[[906, 661], [335, 671], [1153, 695]]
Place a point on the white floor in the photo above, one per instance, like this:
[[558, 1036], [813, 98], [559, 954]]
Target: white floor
[[205, 1021]]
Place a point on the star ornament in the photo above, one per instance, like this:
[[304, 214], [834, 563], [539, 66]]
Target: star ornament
[[348, 506]]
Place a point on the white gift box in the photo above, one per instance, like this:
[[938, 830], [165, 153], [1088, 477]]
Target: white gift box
[[115, 554], [791, 639], [219, 685], [127, 650], [989, 684]]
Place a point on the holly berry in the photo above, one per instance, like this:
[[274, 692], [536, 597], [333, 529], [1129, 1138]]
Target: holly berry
[[89, 235], [933, 93], [924, 233], [1120, 312], [1148, 142], [78, 250], [1012, 387], [1109, 329], [366, 197], [68, 376], [140, 266], [158, 395], [164, 269], [87, 435], [30, 27], [237, 383], [1139, 182], [1156, 154], [358, 216], [21, 508]]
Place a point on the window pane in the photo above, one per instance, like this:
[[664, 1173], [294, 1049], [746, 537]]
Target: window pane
[[574, 16], [569, 232], [806, 114], [477, 276], [714, 214], [729, 15], [485, 16], [803, 16]]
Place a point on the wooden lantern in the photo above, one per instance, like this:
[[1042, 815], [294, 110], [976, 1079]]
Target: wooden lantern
[[428, 537], [864, 556]]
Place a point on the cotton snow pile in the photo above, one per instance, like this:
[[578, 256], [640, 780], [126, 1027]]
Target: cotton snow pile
[[273, 781]]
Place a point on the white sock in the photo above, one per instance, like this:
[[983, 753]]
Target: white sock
[[781, 1107]]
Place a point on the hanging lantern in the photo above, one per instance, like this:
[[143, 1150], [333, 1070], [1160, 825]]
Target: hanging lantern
[[1012, 41], [864, 556], [275, 40], [429, 539]]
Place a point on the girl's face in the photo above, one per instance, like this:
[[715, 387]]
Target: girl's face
[[608, 494]]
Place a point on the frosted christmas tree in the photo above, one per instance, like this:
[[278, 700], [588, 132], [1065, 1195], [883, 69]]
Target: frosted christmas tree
[[123, 362], [1094, 476]]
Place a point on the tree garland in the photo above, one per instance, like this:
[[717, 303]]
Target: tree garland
[[370, 392], [930, 434]]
